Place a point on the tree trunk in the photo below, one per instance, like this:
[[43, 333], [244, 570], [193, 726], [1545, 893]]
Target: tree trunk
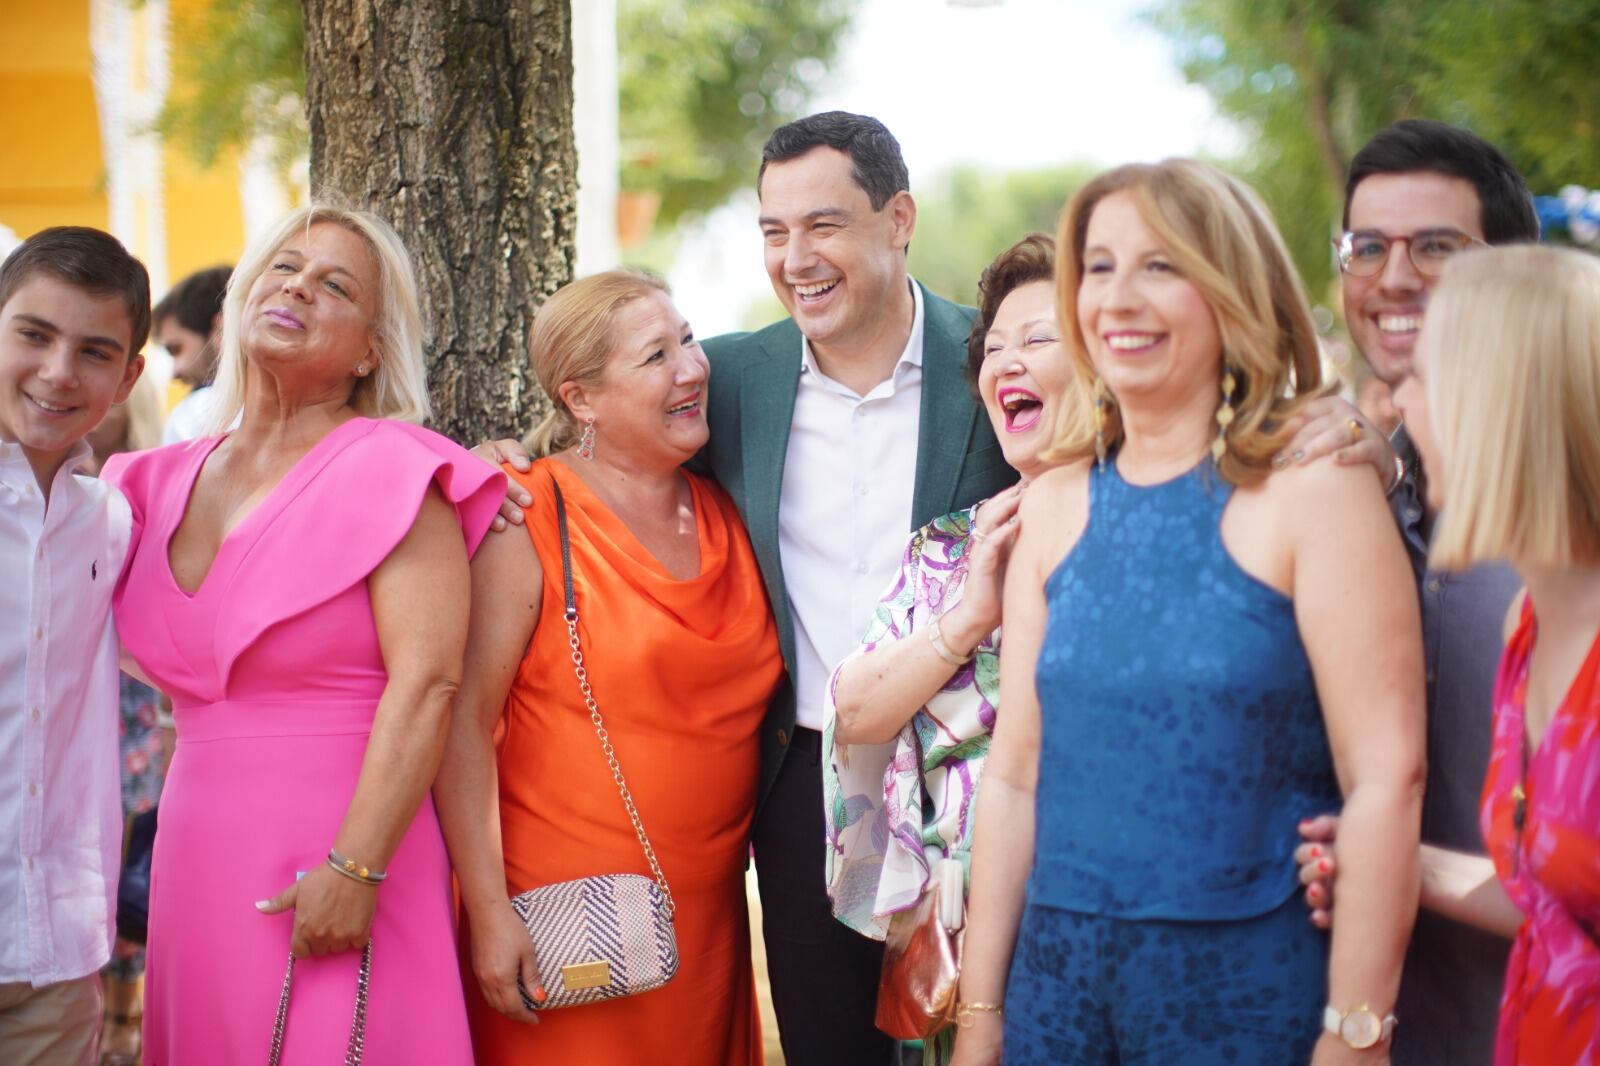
[[453, 120]]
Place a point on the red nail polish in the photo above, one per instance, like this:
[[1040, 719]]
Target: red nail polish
[[1324, 866], [539, 995], [1316, 852]]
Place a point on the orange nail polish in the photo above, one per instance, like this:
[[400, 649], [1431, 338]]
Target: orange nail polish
[[539, 995]]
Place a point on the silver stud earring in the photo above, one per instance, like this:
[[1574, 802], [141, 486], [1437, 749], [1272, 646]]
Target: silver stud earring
[[361, 370], [586, 441]]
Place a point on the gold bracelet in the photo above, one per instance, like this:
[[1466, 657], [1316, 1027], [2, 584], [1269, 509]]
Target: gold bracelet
[[940, 648], [965, 1011], [355, 872]]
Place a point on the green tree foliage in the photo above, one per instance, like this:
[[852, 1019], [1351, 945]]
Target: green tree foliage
[[704, 83], [967, 216], [700, 85], [242, 76], [1309, 81]]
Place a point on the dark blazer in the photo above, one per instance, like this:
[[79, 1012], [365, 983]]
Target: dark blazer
[[754, 379]]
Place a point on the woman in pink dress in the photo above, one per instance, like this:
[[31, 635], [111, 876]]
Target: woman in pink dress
[[1504, 407], [299, 587]]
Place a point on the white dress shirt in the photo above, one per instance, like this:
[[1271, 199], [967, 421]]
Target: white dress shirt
[[191, 418], [845, 509], [60, 796]]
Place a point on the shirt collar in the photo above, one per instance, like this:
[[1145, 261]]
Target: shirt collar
[[910, 357], [16, 472]]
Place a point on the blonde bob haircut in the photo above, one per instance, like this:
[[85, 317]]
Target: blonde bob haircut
[[1510, 353], [398, 386], [1222, 239], [572, 338]]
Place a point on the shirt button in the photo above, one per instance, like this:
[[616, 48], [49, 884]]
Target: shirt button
[[861, 490], [40, 553], [1430, 677], [30, 862], [38, 632], [861, 568], [1433, 584], [33, 789], [36, 714], [783, 738]]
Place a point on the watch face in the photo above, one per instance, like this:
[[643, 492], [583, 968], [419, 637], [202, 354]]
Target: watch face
[[1361, 1028]]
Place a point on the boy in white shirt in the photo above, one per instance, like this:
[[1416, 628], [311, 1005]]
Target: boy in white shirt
[[74, 314]]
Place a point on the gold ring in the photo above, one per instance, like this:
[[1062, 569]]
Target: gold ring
[[1355, 429]]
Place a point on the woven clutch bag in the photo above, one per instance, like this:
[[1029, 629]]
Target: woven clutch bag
[[609, 936], [598, 938]]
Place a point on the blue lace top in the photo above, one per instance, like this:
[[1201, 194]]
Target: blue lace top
[[1182, 739]]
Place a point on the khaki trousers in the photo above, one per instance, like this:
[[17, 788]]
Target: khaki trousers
[[57, 1025]]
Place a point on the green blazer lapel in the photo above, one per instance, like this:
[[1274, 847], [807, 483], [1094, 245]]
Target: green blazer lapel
[[944, 431], [771, 379]]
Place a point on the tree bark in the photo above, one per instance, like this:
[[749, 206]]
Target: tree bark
[[453, 120]]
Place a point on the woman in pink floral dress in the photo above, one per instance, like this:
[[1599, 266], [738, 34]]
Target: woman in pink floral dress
[[1504, 406]]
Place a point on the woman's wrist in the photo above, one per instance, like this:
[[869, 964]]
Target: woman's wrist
[[961, 632]]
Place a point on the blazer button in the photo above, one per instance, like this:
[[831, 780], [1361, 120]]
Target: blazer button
[[783, 738]]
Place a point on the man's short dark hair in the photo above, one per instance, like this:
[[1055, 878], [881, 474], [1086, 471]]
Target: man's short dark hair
[[88, 259], [1421, 145], [195, 301], [875, 159]]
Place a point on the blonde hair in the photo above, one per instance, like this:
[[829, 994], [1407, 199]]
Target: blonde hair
[[1510, 350], [571, 340], [398, 386], [143, 409], [1223, 241]]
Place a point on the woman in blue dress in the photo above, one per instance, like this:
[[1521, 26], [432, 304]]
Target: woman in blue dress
[[1200, 652]]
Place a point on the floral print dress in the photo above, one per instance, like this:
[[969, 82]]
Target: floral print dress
[[892, 810], [1549, 864]]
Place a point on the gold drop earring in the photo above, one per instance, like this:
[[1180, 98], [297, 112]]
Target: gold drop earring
[[1101, 417], [1225, 413]]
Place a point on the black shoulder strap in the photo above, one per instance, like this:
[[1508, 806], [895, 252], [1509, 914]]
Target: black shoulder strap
[[566, 552]]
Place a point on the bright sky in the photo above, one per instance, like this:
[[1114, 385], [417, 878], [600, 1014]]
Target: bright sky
[[1008, 85]]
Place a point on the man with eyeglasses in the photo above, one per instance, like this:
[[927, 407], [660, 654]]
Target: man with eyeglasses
[[1419, 193]]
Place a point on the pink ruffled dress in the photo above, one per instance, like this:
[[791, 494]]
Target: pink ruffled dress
[[275, 671]]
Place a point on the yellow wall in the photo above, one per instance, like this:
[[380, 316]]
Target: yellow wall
[[50, 165], [52, 170]]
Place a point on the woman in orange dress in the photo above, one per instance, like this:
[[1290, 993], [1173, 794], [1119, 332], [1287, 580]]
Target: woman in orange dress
[[682, 655]]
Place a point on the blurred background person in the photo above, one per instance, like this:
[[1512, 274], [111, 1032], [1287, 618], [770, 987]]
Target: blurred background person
[[1198, 648], [145, 745], [187, 322], [907, 721]]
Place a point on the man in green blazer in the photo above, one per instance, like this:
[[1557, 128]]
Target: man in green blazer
[[837, 432]]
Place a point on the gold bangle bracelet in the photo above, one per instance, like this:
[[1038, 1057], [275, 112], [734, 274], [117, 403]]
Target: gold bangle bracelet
[[940, 648], [355, 872], [965, 1011]]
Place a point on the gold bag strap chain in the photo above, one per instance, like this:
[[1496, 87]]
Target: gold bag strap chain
[[571, 616]]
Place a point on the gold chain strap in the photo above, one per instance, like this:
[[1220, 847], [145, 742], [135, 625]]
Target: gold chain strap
[[611, 760]]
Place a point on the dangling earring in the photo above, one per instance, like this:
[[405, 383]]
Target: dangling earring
[[586, 441], [1219, 447], [1101, 416]]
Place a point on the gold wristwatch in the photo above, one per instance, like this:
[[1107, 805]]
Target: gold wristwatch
[[1359, 1027]]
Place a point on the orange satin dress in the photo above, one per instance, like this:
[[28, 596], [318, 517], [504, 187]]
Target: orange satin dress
[[682, 672]]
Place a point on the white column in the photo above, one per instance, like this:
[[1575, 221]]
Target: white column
[[594, 121], [131, 74]]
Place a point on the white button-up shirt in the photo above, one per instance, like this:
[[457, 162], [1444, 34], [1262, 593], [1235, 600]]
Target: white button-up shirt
[[60, 797], [845, 509]]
